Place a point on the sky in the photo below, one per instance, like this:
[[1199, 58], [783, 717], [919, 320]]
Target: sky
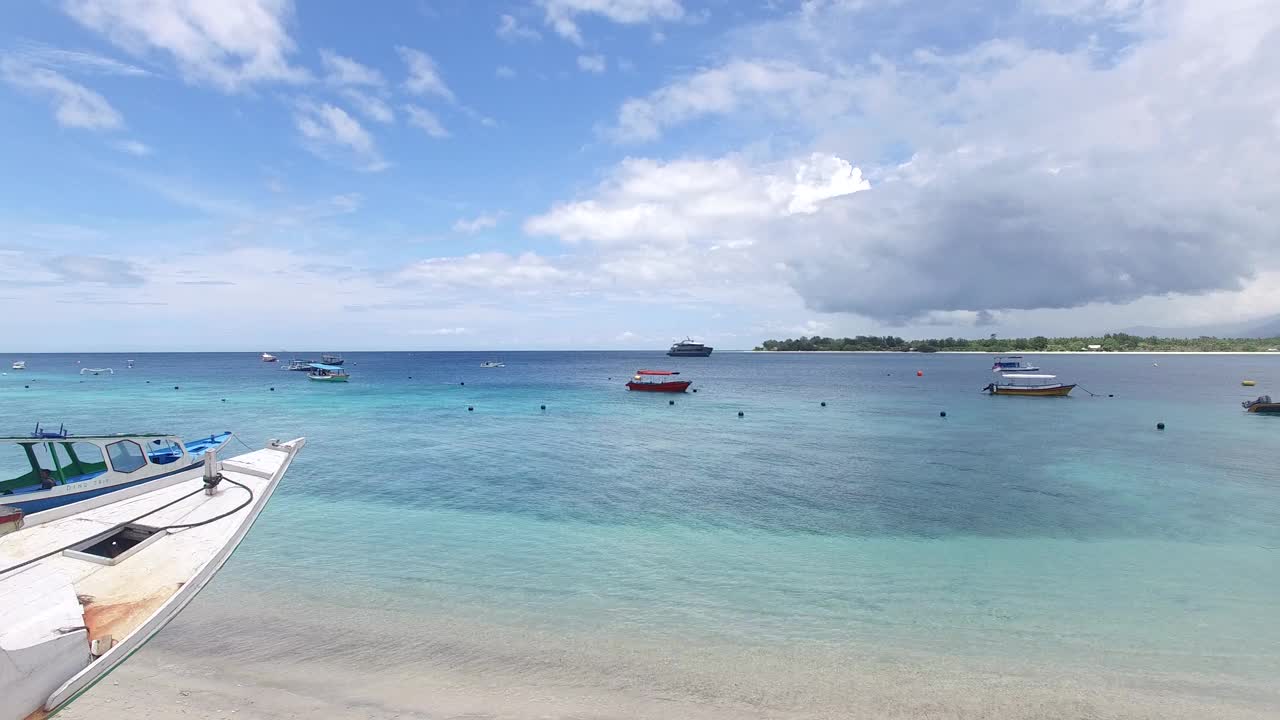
[[598, 174]]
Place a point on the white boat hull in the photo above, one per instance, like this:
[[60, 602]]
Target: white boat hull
[[126, 602]]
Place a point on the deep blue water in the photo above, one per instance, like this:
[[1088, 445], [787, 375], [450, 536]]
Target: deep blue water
[[1070, 531]]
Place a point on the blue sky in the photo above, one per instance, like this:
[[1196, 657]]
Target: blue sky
[[248, 174]]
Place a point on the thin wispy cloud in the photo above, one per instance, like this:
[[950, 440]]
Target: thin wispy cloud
[[423, 75], [471, 226], [133, 147], [562, 15], [425, 120], [74, 61], [511, 30], [595, 64], [74, 105], [332, 133]]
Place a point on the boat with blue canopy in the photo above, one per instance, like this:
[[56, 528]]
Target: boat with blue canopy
[[49, 469], [327, 373]]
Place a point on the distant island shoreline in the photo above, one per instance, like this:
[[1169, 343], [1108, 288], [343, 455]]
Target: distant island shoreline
[[1112, 343]]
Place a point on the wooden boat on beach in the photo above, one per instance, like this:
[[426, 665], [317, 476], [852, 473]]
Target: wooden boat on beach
[[84, 586], [1025, 385]]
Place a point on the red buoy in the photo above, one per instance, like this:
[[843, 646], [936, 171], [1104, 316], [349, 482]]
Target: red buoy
[[919, 373]]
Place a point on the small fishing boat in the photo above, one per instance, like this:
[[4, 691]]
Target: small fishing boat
[[1262, 405], [1012, 364], [332, 359], [268, 357], [327, 373], [65, 468], [84, 586], [97, 371], [300, 365], [657, 381], [492, 364], [20, 365], [1030, 386]]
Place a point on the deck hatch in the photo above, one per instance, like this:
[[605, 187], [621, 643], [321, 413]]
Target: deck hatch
[[116, 546]]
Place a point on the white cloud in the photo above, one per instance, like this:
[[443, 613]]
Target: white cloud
[[511, 30], [74, 61], [504, 72], [371, 106], [343, 71], [330, 132], [74, 105], [562, 15], [132, 147], [591, 63], [495, 270], [757, 84], [471, 226], [718, 203], [230, 44], [450, 331], [425, 120], [424, 78]]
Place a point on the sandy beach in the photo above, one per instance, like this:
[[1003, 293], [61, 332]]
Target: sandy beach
[[160, 684]]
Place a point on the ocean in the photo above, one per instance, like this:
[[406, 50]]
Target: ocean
[[446, 547]]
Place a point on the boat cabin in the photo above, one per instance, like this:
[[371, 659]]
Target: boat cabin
[[49, 469]]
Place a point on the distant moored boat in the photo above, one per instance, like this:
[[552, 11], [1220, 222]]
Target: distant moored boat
[[657, 381], [689, 348], [268, 357], [1043, 388]]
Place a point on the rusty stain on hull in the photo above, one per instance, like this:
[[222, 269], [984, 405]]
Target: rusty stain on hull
[[119, 619]]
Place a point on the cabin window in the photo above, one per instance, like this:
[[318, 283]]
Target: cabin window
[[126, 456], [163, 452], [15, 469]]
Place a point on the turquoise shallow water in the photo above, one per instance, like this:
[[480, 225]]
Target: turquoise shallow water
[[616, 536]]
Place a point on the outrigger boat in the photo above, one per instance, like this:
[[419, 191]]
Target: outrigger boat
[[1262, 405], [1044, 388], [97, 371], [1012, 364], [84, 586], [644, 381], [300, 365], [332, 359], [327, 373], [19, 365], [66, 468], [491, 364]]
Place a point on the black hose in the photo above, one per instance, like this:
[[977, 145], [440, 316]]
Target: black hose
[[114, 528]]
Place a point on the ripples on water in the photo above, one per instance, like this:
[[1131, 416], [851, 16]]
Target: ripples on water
[[613, 535]]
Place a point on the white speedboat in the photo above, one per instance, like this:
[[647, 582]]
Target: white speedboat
[[84, 586], [268, 357], [492, 364], [19, 365]]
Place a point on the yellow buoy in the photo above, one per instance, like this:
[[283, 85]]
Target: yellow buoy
[[1248, 383]]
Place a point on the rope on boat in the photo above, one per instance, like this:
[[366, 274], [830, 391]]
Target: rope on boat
[[126, 523], [1091, 394]]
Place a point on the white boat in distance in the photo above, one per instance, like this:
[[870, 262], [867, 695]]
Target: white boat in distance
[[268, 357], [491, 364], [20, 365], [84, 586]]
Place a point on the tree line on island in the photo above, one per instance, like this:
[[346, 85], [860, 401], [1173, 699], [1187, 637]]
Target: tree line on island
[[1111, 342]]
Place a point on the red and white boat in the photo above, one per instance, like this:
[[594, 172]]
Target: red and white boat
[[657, 381]]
